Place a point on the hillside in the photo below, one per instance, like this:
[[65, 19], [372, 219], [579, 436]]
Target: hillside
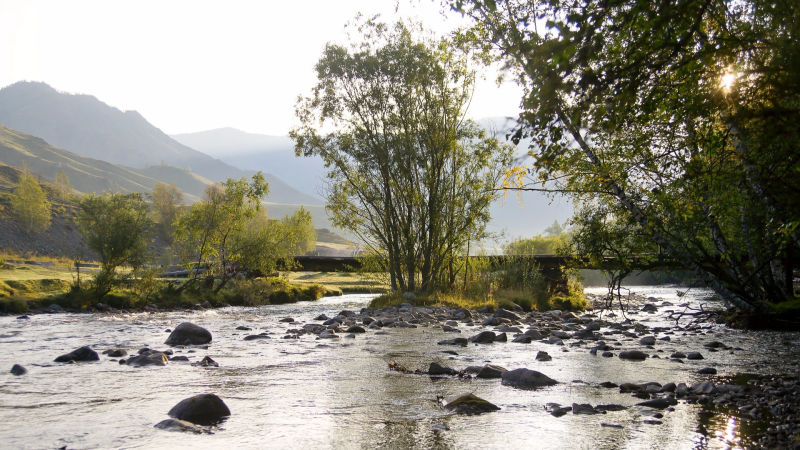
[[86, 126]]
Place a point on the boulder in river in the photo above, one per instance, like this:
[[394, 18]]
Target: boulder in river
[[490, 371], [470, 404], [206, 362], [484, 337], [659, 403], [526, 379], [634, 355], [179, 425], [543, 356], [79, 354], [455, 341], [438, 369], [188, 333], [151, 358], [648, 340], [202, 409], [18, 370], [694, 355]]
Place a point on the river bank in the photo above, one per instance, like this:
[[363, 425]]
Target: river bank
[[304, 382]]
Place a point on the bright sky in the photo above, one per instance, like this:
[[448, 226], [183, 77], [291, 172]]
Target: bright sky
[[194, 65]]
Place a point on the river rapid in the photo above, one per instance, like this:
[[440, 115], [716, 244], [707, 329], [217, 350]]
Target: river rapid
[[339, 393]]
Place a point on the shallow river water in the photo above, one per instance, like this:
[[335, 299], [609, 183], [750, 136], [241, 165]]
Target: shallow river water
[[309, 393]]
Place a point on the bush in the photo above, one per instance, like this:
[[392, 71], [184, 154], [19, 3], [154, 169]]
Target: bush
[[13, 305]]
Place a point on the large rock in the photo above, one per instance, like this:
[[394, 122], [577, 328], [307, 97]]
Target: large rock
[[634, 355], [79, 354], [203, 409], [526, 379], [188, 334], [490, 371], [470, 404], [148, 358], [438, 369], [484, 337]]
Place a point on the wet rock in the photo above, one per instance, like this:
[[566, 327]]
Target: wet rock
[[327, 334], [470, 404], [707, 371], [490, 371], [79, 354], [449, 329], [608, 385], [502, 337], [607, 355], [634, 355], [648, 340], [649, 307], [438, 369], [522, 339], [508, 329], [678, 355], [321, 317], [203, 409], [583, 408], [533, 334], [484, 337], [611, 425], [610, 407], [356, 329], [556, 410], [179, 425], [206, 362], [18, 370], [659, 403], [152, 358], [179, 358], [652, 422], [253, 337], [456, 341], [694, 355], [23, 317], [526, 379], [702, 387], [188, 333], [543, 356], [669, 387], [560, 334], [243, 328], [287, 320], [506, 314]]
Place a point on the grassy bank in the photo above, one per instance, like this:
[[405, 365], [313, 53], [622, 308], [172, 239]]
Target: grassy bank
[[507, 298], [33, 283], [346, 282]]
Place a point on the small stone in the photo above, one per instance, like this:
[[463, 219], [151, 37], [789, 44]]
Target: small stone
[[490, 371], [79, 354], [203, 409], [179, 425], [543, 356], [648, 340], [526, 379], [707, 371], [438, 369], [18, 370], [694, 355]]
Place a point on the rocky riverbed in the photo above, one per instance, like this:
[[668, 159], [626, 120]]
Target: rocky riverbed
[[338, 374]]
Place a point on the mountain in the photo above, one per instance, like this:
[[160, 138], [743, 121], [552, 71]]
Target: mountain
[[513, 216], [85, 126], [274, 154], [85, 174]]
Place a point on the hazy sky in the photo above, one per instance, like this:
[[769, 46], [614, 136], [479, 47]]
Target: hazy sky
[[195, 65]]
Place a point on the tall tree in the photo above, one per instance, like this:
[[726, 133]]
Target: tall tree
[[409, 173], [30, 204], [683, 115], [166, 202], [117, 227], [62, 185]]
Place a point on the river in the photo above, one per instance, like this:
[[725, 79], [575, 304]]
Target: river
[[309, 393]]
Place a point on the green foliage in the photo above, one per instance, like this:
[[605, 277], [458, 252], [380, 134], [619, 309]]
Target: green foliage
[[115, 226], [274, 291], [410, 175], [682, 118], [536, 245], [63, 188], [30, 205], [166, 203], [205, 235]]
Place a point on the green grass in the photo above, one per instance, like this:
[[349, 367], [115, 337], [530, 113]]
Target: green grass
[[348, 282]]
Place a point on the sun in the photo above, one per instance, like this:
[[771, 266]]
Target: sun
[[727, 81]]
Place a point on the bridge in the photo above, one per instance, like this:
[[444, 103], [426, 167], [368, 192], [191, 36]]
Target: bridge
[[551, 266]]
